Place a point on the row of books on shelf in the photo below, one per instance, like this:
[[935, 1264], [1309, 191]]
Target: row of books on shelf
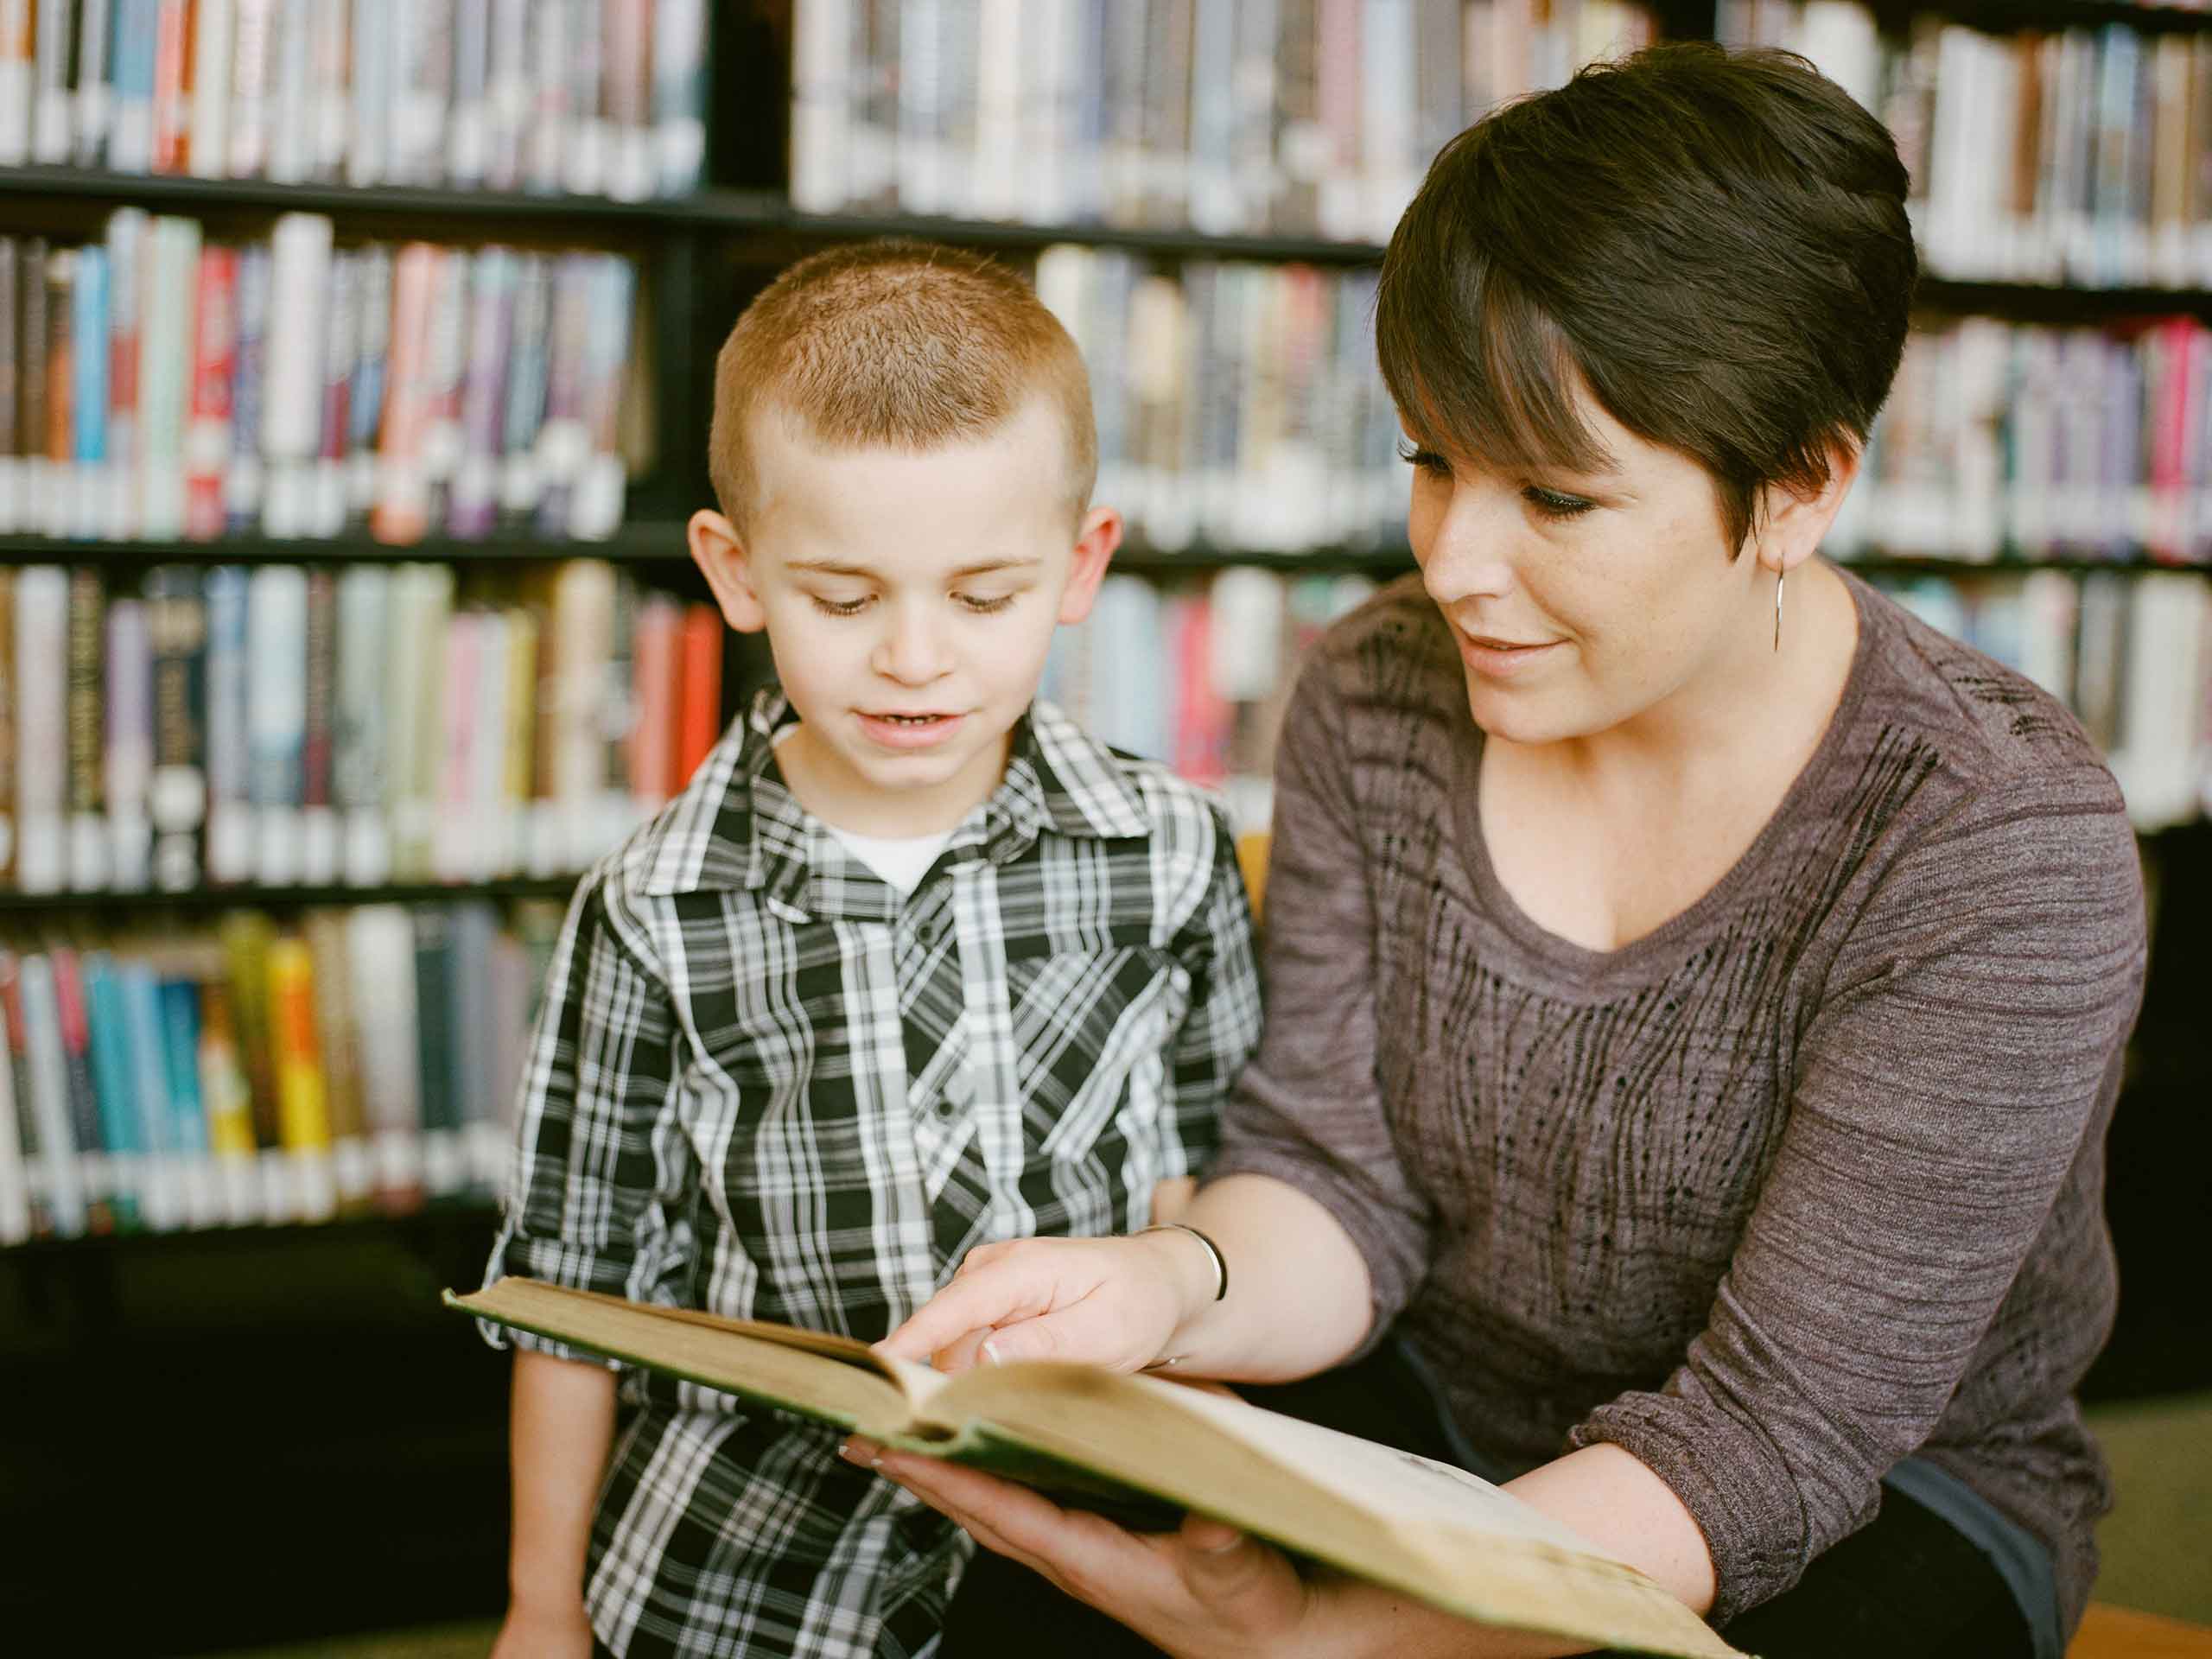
[[1304, 117], [1237, 404], [155, 385], [286, 726], [587, 97], [2075, 155], [1197, 673], [362, 1061], [2042, 443]]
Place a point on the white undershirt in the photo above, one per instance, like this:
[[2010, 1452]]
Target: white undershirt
[[901, 860]]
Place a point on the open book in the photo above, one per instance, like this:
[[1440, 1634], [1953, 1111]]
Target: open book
[[1430, 1530]]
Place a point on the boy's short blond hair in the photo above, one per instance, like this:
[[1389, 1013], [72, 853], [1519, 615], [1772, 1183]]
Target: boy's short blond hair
[[899, 344]]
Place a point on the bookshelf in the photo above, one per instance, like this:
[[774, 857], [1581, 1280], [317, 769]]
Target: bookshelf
[[238, 1380]]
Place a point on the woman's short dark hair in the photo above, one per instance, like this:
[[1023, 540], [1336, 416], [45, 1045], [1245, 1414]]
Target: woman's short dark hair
[[1714, 242]]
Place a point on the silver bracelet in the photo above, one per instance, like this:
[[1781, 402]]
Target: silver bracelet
[[1220, 1261]]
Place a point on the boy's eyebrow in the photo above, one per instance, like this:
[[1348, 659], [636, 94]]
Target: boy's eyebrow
[[838, 568]]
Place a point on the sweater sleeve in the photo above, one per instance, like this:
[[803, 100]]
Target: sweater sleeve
[[1969, 1032], [1308, 1110]]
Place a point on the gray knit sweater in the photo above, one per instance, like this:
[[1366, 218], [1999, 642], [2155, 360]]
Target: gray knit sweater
[[1807, 1182]]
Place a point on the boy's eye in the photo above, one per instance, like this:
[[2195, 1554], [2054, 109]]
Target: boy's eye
[[982, 604], [840, 606], [1425, 460], [1551, 504]]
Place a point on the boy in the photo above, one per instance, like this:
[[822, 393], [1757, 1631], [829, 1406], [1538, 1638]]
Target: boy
[[911, 965]]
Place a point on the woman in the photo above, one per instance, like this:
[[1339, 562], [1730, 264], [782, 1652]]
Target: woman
[[1719, 1111]]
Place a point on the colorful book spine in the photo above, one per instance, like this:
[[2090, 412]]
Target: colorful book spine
[[89, 865], [189, 1130], [493, 274], [129, 748], [214, 359], [213, 54], [227, 1094], [34, 1030], [171, 103], [277, 670], [166, 376], [243, 482], [296, 1057], [120, 478], [95, 101], [107, 1204]]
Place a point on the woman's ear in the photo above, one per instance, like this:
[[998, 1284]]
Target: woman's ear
[[721, 557], [1096, 537], [1792, 521]]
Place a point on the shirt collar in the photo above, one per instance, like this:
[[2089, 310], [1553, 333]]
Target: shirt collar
[[745, 830]]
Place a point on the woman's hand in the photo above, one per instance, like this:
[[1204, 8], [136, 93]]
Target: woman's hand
[[1205, 1590], [1114, 1302]]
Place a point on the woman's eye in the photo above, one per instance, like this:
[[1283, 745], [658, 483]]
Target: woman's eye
[[1552, 504], [984, 607], [1425, 460], [840, 606]]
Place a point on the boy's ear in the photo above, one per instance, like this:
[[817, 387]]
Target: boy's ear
[[1791, 523], [721, 559], [1096, 537]]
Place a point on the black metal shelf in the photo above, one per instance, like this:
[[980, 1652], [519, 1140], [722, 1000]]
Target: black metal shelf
[[1320, 561], [261, 898], [645, 542], [2057, 302], [433, 1218], [2011, 16], [1892, 564], [1179, 242]]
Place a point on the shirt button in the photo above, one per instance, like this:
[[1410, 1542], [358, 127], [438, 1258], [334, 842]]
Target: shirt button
[[944, 1108], [930, 928]]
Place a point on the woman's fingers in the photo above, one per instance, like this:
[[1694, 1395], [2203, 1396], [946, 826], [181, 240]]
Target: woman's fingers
[[1003, 1289]]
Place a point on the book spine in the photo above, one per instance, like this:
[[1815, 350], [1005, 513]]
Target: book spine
[[129, 757], [276, 652], [22, 1215], [700, 720], [55, 511], [301, 1089], [422, 644], [95, 99], [445, 1156], [8, 836], [320, 850], [546, 137], [520, 747], [564, 440], [129, 231], [377, 30], [364, 396], [164, 1203], [178, 1013], [32, 371], [171, 104], [524, 414], [329, 113], [475, 496], [226, 1096], [207, 430], [586, 142], [329, 473], [453, 839], [467, 154], [88, 327], [41, 613], [656, 662], [137, 45], [474, 935], [100, 1024], [291, 425], [35, 1029], [18, 79], [176, 624], [166, 376], [679, 69], [595, 506], [245, 937], [506, 93], [253, 45], [627, 97], [423, 67], [89, 870], [50, 119], [242, 485], [357, 761], [402, 510], [106, 1203], [445, 367], [380, 958], [229, 846], [214, 56], [291, 87], [11, 472]]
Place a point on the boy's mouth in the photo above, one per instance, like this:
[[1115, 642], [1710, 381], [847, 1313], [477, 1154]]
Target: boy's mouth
[[903, 731]]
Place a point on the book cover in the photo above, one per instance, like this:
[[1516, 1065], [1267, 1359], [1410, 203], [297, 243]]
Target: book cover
[[1142, 1447]]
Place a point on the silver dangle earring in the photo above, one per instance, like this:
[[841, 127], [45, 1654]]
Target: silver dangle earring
[[1779, 577]]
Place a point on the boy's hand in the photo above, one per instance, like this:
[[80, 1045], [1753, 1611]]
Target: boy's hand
[[537, 1632], [1114, 1302]]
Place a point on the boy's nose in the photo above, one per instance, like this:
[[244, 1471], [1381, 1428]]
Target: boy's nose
[[909, 653]]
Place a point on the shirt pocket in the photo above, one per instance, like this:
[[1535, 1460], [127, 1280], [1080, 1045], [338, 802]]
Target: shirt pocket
[[1091, 1029]]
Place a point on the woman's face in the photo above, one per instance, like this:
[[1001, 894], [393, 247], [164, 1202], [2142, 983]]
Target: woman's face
[[1581, 600]]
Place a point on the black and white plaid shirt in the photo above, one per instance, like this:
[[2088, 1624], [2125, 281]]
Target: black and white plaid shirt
[[763, 1085]]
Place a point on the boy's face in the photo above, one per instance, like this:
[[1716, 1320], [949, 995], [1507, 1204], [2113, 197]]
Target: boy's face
[[909, 599]]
